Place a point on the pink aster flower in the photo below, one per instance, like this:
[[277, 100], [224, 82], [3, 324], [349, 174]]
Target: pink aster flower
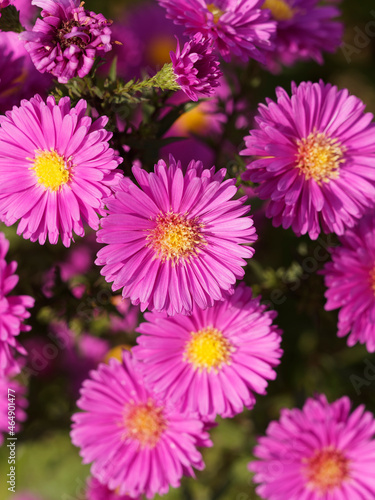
[[138, 442], [350, 279], [55, 166], [66, 40], [315, 158], [214, 360], [196, 69], [97, 491], [177, 240], [322, 452], [238, 27], [305, 29], [13, 312], [12, 399]]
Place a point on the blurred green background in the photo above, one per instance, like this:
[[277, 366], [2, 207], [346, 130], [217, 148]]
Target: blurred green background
[[284, 272]]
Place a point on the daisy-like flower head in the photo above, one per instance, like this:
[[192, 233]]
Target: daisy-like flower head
[[238, 27], [214, 360], [138, 442], [320, 452], [195, 68], [97, 491], [12, 399], [350, 279], [315, 159], [55, 166], [13, 312], [305, 29], [66, 40], [177, 239]]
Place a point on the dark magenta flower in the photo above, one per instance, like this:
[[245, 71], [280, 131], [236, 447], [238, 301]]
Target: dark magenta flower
[[3, 4], [195, 67], [67, 38], [19, 78], [305, 29], [238, 27]]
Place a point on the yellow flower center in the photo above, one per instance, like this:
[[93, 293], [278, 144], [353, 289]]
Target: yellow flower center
[[319, 157], [280, 10], [372, 279], [326, 470], [215, 11], [208, 349], [116, 352], [195, 120], [145, 422], [176, 237], [51, 169], [159, 49]]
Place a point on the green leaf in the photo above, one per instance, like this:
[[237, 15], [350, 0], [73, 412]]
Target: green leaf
[[112, 74]]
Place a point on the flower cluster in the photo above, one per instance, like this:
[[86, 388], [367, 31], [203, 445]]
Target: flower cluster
[[305, 28]]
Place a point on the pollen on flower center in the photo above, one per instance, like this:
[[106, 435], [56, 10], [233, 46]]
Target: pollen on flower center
[[176, 237], [319, 157], [207, 349], [326, 470], [145, 422], [372, 279], [65, 39], [51, 169], [215, 11], [280, 10]]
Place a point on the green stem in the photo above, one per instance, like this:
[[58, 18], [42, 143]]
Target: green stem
[[165, 80]]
